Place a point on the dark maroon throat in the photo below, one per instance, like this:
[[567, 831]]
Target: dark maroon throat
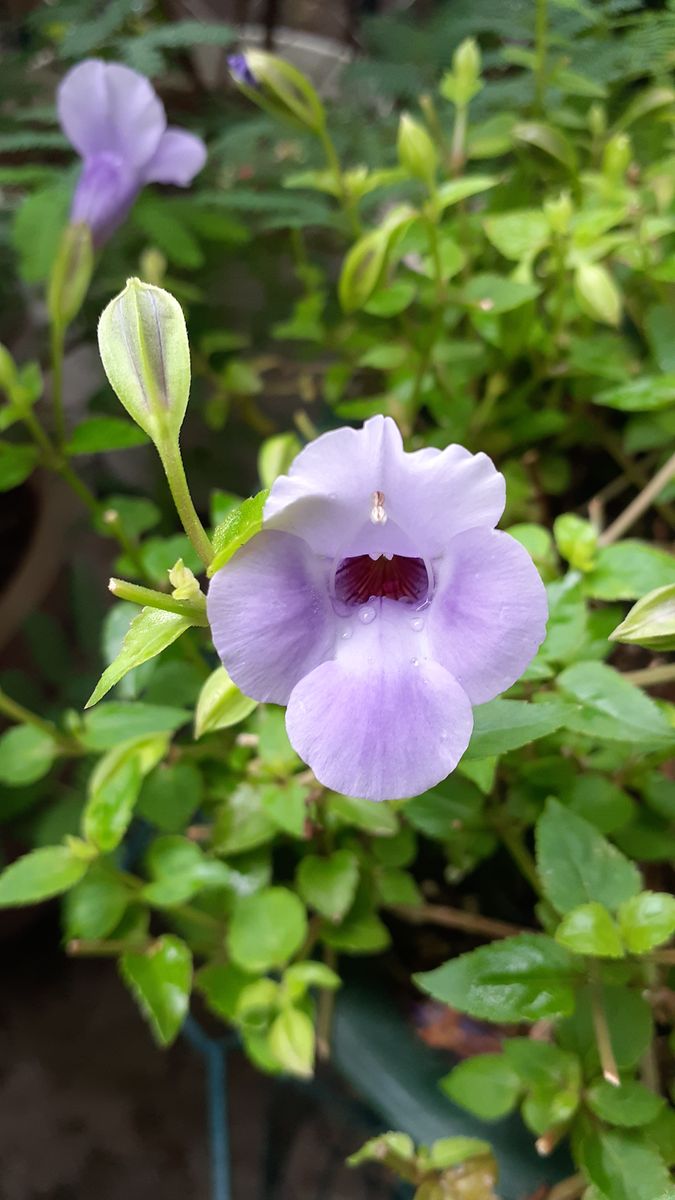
[[362, 578]]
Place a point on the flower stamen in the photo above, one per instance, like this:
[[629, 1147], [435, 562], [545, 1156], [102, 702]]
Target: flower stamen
[[378, 513]]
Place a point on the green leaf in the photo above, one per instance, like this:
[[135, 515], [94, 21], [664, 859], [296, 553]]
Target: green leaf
[[26, 755], [451, 1151], [239, 526], [628, 569], [624, 1166], [149, 633], [117, 722], [391, 299], [292, 1042], [222, 985], [266, 929], [395, 886], [577, 864], [495, 294], [647, 920], [170, 796], [503, 725], [220, 704], [286, 804], [37, 230], [597, 294], [658, 327], [379, 820], [39, 875], [589, 929], [329, 884], [95, 905], [276, 455], [651, 622], [609, 707], [303, 975], [519, 234], [486, 1085], [242, 822], [97, 435], [548, 139], [629, 1021], [523, 978], [161, 979], [376, 1149], [631, 1104], [114, 788], [645, 394], [456, 190], [16, 464]]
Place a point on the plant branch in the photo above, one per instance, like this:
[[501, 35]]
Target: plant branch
[[455, 918], [603, 1040], [639, 505]]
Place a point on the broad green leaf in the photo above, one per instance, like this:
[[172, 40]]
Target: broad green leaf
[[628, 570], [625, 1166], [518, 234], [547, 138], [220, 704], [114, 788], [578, 865], [329, 884], [17, 462], [286, 804], [503, 725], [170, 796], [647, 920], [454, 803], [41, 874], [292, 1042], [495, 294], [486, 1085], [101, 434], [645, 103], [651, 622], [645, 394], [266, 929], [161, 979], [26, 755], [242, 822], [523, 978], [589, 929], [608, 707], [456, 190], [595, 798], [222, 985], [95, 905], [395, 886], [239, 526], [118, 721], [149, 633], [391, 299], [631, 1104]]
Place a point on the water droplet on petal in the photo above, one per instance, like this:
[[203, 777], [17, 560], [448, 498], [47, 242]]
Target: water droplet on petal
[[415, 662], [417, 624], [346, 633], [366, 614]]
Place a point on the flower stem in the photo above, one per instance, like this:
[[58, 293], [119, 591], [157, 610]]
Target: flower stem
[[172, 462], [455, 918], [458, 145], [513, 840], [57, 340], [345, 199], [148, 597], [610, 1070], [324, 1020], [23, 716]]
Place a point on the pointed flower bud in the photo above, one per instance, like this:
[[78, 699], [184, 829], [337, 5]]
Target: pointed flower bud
[[558, 211], [463, 82], [278, 87], [144, 349], [416, 151], [71, 275], [616, 157]]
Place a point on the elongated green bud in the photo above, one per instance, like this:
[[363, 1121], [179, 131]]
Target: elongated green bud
[[463, 82], [71, 275], [650, 622], [278, 87], [144, 348], [416, 151]]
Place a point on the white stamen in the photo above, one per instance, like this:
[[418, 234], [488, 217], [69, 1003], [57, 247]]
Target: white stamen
[[378, 515]]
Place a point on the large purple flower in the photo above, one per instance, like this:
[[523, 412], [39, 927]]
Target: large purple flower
[[117, 123], [379, 603]]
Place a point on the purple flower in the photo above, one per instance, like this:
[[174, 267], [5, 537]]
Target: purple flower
[[117, 123], [241, 72], [379, 603]]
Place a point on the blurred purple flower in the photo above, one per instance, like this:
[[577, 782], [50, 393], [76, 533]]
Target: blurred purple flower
[[379, 603], [117, 123], [241, 72]]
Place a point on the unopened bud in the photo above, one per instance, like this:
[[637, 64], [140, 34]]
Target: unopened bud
[[616, 157], [153, 266], [597, 119], [463, 82], [278, 87], [144, 349], [71, 275], [416, 151], [558, 212], [183, 582]]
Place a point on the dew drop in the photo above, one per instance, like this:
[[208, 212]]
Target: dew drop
[[415, 662], [346, 633], [417, 624], [366, 614]]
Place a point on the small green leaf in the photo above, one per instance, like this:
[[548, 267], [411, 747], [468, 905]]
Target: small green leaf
[[577, 541], [503, 725], [451, 1151], [239, 526], [577, 865], [519, 234], [161, 979], [548, 139], [400, 1145], [624, 1166], [150, 632], [39, 875], [16, 464], [170, 796], [631, 1104], [95, 905], [486, 1085], [276, 455], [266, 929], [329, 884], [220, 704], [26, 755], [645, 394], [456, 190], [101, 434], [495, 294], [647, 920], [630, 569], [242, 822], [118, 721], [114, 788], [589, 929], [610, 707], [522, 978], [286, 804], [292, 1042], [303, 975]]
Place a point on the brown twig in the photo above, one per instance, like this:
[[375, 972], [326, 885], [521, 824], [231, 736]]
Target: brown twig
[[640, 504], [455, 918]]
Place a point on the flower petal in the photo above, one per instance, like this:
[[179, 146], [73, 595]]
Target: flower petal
[[178, 158], [430, 495], [103, 196], [106, 107], [377, 722], [488, 616], [270, 615]]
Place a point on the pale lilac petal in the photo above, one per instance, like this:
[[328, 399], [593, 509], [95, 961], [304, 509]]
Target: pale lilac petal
[[106, 107], [378, 722], [271, 619], [178, 158], [488, 616], [429, 495], [103, 196]]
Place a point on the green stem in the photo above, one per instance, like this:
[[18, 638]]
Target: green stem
[[57, 340], [345, 199], [172, 462], [458, 146], [149, 598], [540, 52], [608, 1065], [23, 716], [112, 521], [513, 840]]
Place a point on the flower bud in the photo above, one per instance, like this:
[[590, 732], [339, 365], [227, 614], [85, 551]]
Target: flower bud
[[71, 275], [183, 582], [463, 82], [650, 622], [597, 120], [558, 212], [596, 293], [144, 349], [616, 157], [278, 87], [416, 151]]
